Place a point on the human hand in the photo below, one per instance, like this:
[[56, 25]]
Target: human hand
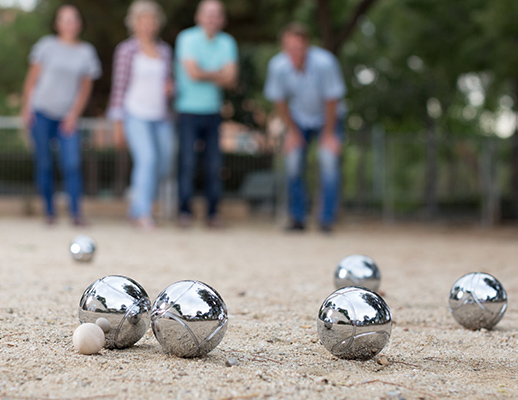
[[118, 135], [293, 140], [330, 141], [169, 89], [27, 116], [69, 125]]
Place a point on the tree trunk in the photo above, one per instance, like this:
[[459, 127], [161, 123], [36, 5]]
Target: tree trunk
[[325, 25], [333, 39]]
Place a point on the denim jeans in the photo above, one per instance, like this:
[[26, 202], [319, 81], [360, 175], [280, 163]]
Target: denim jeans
[[329, 166], [151, 148], [45, 131], [192, 129]]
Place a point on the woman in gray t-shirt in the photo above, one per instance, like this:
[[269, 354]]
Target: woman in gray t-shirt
[[57, 89]]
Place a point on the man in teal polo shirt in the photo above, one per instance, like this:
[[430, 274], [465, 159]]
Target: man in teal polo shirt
[[206, 64]]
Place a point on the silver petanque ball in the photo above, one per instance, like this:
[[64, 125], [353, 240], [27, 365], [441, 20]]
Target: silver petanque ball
[[189, 319], [120, 306], [357, 270], [354, 323], [82, 248], [477, 301]]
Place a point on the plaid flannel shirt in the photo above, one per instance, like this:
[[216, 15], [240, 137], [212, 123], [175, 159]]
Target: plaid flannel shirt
[[122, 63]]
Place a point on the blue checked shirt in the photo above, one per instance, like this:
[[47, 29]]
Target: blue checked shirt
[[307, 91]]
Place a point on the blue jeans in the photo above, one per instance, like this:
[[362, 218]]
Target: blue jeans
[[45, 131], [329, 165], [151, 148], [192, 129]]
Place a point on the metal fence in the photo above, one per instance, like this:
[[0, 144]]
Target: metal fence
[[428, 177], [384, 176]]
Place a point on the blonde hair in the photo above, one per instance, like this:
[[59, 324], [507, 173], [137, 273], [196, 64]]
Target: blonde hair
[[139, 7]]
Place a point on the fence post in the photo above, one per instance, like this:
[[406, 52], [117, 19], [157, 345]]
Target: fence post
[[490, 213], [431, 172], [281, 188], [378, 162], [168, 190], [388, 194]]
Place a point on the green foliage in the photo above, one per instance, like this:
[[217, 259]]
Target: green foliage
[[401, 54], [18, 32]]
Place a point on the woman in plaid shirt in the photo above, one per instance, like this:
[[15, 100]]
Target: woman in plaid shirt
[[142, 86]]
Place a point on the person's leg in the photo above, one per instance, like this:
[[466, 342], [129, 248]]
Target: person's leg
[[139, 136], [164, 144], [70, 162], [295, 170], [330, 180], [164, 141], [212, 163], [188, 133], [43, 132]]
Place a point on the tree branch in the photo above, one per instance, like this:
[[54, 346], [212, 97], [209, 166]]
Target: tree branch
[[325, 24], [347, 29]]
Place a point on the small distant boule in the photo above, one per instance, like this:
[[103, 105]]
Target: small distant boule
[[88, 339], [104, 324], [357, 270], [82, 248]]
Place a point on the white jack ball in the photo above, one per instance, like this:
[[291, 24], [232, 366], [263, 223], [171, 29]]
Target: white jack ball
[[88, 338], [104, 324]]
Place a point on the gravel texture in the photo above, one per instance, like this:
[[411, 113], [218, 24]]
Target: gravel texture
[[273, 284]]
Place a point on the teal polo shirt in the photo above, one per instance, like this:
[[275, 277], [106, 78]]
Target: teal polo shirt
[[201, 97]]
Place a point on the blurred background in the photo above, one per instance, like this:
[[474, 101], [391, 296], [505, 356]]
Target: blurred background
[[433, 91]]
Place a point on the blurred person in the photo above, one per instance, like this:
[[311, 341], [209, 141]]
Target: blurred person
[[306, 85], [142, 86], [56, 90], [206, 64]]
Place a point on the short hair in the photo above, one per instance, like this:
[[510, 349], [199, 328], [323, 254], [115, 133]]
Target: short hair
[[57, 11], [203, 2], [139, 7], [297, 29]]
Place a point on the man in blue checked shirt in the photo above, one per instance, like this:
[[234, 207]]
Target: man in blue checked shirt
[[306, 85]]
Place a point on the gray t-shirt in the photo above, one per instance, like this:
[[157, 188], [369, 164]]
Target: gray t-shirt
[[63, 66]]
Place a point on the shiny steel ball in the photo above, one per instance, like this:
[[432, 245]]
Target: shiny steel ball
[[354, 323], [82, 248], [125, 306], [189, 319], [477, 301], [357, 270]]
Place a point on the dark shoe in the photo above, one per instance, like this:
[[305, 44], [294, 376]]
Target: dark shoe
[[185, 220], [50, 220], [326, 228], [145, 224], [79, 222], [295, 226], [215, 222]]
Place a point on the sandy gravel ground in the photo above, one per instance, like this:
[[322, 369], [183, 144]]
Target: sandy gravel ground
[[273, 285]]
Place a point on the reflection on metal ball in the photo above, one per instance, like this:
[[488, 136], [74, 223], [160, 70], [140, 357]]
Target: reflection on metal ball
[[189, 319], [82, 248], [123, 303], [354, 323], [357, 270], [477, 301]]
